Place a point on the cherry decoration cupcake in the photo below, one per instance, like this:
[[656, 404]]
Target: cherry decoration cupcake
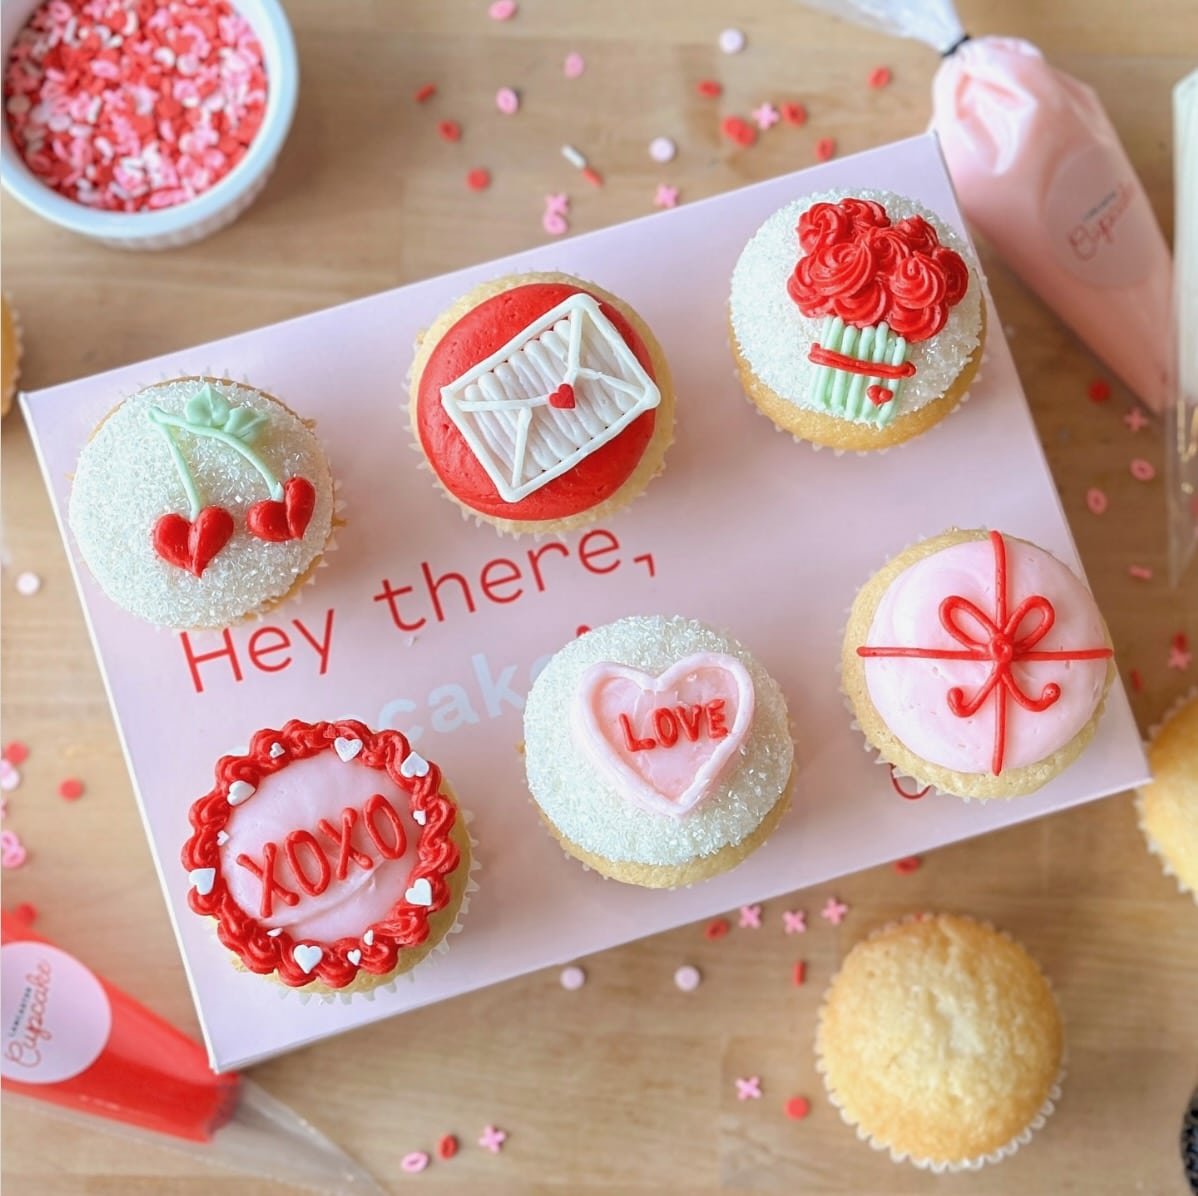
[[200, 501], [658, 750], [541, 403], [977, 663], [857, 319], [332, 857]]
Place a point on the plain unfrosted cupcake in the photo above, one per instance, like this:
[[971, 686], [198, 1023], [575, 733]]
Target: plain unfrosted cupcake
[[977, 663], [1168, 806], [940, 1040], [199, 501], [541, 402], [332, 857], [658, 750], [857, 319]]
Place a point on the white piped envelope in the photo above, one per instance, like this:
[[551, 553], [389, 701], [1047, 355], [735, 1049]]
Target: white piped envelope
[[504, 406]]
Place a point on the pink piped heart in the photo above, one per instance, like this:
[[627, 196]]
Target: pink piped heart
[[664, 741], [563, 397], [879, 395]]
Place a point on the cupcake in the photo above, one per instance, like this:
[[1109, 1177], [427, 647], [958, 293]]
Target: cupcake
[[200, 501], [977, 663], [1168, 807], [658, 751], [541, 403], [332, 857], [10, 355], [857, 319], [940, 1041]]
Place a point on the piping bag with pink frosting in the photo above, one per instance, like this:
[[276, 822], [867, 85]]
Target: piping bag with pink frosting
[[78, 1047], [1042, 175]]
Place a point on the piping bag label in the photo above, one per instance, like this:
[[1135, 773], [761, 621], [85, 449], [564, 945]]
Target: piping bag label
[[56, 1015], [1099, 221]]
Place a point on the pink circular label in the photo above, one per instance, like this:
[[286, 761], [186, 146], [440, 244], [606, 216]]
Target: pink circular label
[[1099, 220], [56, 1014]]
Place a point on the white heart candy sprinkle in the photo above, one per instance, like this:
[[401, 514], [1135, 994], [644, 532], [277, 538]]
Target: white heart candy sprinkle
[[347, 749], [414, 766], [240, 791], [276, 750], [420, 817], [274, 934], [421, 893], [202, 880], [308, 956], [368, 937], [222, 837], [354, 956]]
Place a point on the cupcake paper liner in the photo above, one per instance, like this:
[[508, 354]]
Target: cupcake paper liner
[[939, 1166]]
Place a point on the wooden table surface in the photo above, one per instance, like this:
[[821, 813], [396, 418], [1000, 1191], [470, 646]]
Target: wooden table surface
[[627, 1085]]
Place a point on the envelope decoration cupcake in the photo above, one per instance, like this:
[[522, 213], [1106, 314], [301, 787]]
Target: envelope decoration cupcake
[[331, 857], [541, 402]]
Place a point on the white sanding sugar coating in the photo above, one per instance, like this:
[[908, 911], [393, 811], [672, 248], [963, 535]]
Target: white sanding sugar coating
[[775, 337], [589, 812], [126, 480]]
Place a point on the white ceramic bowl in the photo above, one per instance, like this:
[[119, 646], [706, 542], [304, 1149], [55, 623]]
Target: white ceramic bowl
[[216, 207]]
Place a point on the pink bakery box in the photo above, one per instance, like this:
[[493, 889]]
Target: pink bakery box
[[746, 530]]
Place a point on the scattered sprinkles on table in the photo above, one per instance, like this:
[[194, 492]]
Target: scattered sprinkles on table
[[71, 789], [129, 108], [737, 129], [665, 196], [10, 776], [492, 1139], [447, 1147], [687, 978], [574, 65], [797, 1108], [717, 928], [1179, 653], [799, 974], [825, 149], [15, 752], [478, 179], [416, 1161], [502, 10], [793, 114], [507, 100], [12, 850], [1100, 390], [879, 77], [908, 864], [1135, 419], [766, 115], [572, 978], [662, 149], [557, 208], [425, 93], [1096, 500], [1141, 470], [750, 917], [28, 584], [709, 88], [794, 921], [834, 911], [732, 41], [1139, 572], [450, 130], [748, 1088]]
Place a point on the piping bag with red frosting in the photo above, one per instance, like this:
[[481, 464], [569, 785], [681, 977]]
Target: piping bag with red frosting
[[1041, 173], [83, 1049]]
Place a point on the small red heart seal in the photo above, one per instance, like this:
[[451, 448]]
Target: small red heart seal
[[286, 520], [192, 546], [563, 397], [879, 395]]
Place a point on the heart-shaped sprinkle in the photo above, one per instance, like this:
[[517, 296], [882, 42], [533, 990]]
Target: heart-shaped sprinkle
[[222, 837], [278, 522], [347, 749], [240, 791], [421, 893], [354, 956], [274, 934], [368, 938], [276, 750], [414, 765], [419, 817], [308, 955], [879, 395], [202, 880], [563, 397], [192, 546]]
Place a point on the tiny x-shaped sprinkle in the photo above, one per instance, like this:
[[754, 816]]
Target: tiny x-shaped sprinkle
[[1179, 658], [665, 196], [492, 1139], [1135, 419], [794, 921], [750, 917], [557, 205], [748, 1088], [766, 115], [834, 911]]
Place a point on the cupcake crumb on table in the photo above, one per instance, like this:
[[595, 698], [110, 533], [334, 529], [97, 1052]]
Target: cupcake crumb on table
[[940, 1041]]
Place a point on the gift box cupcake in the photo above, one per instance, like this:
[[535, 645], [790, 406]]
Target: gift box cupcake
[[856, 318], [332, 858], [940, 1042], [541, 403], [977, 663], [200, 501], [658, 751]]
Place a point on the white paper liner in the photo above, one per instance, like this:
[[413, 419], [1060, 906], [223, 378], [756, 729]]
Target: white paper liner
[[1153, 846], [939, 1166]]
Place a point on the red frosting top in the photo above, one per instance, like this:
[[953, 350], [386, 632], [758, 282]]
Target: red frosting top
[[269, 902], [859, 266], [478, 334]]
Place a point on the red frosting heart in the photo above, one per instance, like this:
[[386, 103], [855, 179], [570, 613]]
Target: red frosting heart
[[286, 520], [563, 397], [192, 546], [878, 395]]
